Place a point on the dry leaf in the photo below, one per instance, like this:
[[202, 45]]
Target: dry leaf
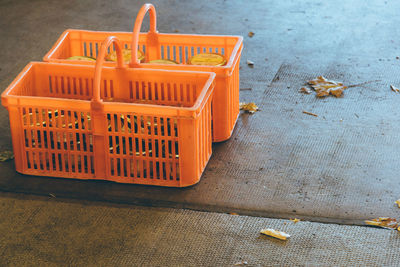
[[274, 233], [6, 155], [323, 87], [250, 63], [305, 90], [233, 213], [251, 34], [398, 202], [395, 89], [295, 220], [248, 107], [384, 222]]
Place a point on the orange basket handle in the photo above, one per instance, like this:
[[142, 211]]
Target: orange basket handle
[[100, 61], [136, 29]]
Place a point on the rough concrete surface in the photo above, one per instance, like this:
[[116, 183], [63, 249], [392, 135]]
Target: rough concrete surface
[[341, 166], [51, 232]]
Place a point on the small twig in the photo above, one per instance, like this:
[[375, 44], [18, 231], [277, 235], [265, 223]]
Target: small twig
[[52, 195], [364, 83], [309, 113], [245, 89]]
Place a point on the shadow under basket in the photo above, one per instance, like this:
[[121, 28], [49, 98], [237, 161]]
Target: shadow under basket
[[150, 126]]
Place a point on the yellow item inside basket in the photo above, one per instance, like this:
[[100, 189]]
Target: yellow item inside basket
[[163, 61], [126, 54], [81, 58], [208, 59]]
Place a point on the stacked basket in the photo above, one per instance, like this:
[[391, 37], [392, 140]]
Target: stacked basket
[[144, 123]]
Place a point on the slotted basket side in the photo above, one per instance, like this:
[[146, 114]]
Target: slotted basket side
[[59, 130], [170, 150]]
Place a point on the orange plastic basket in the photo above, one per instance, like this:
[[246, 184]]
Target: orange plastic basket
[[177, 47], [120, 124]]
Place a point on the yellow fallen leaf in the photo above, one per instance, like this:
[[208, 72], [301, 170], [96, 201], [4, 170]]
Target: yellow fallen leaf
[[6, 155], [305, 90], [248, 107], [384, 222], [323, 87], [295, 220], [274, 233], [251, 34], [398, 202], [233, 213], [395, 89]]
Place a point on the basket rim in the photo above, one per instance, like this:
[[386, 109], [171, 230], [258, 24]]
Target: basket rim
[[236, 50], [192, 111]]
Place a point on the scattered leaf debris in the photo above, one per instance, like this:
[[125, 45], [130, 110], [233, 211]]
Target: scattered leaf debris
[[250, 63], [295, 220], [305, 90], [309, 113], [324, 87], [6, 155], [248, 107], [395, 89], [274, 233], [361, 84], [251, 34], [398, 202], [384, 222]]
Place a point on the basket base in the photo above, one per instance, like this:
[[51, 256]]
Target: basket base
[[227, 137], [132, 181]]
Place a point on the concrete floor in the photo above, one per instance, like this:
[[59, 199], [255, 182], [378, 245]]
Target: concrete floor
[[45, 231], [337, 168]]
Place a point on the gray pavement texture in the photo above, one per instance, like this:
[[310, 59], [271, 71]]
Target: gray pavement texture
[[339, 167], [52, 232]]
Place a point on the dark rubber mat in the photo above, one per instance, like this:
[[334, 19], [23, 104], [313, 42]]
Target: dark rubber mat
[[339, 167]]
